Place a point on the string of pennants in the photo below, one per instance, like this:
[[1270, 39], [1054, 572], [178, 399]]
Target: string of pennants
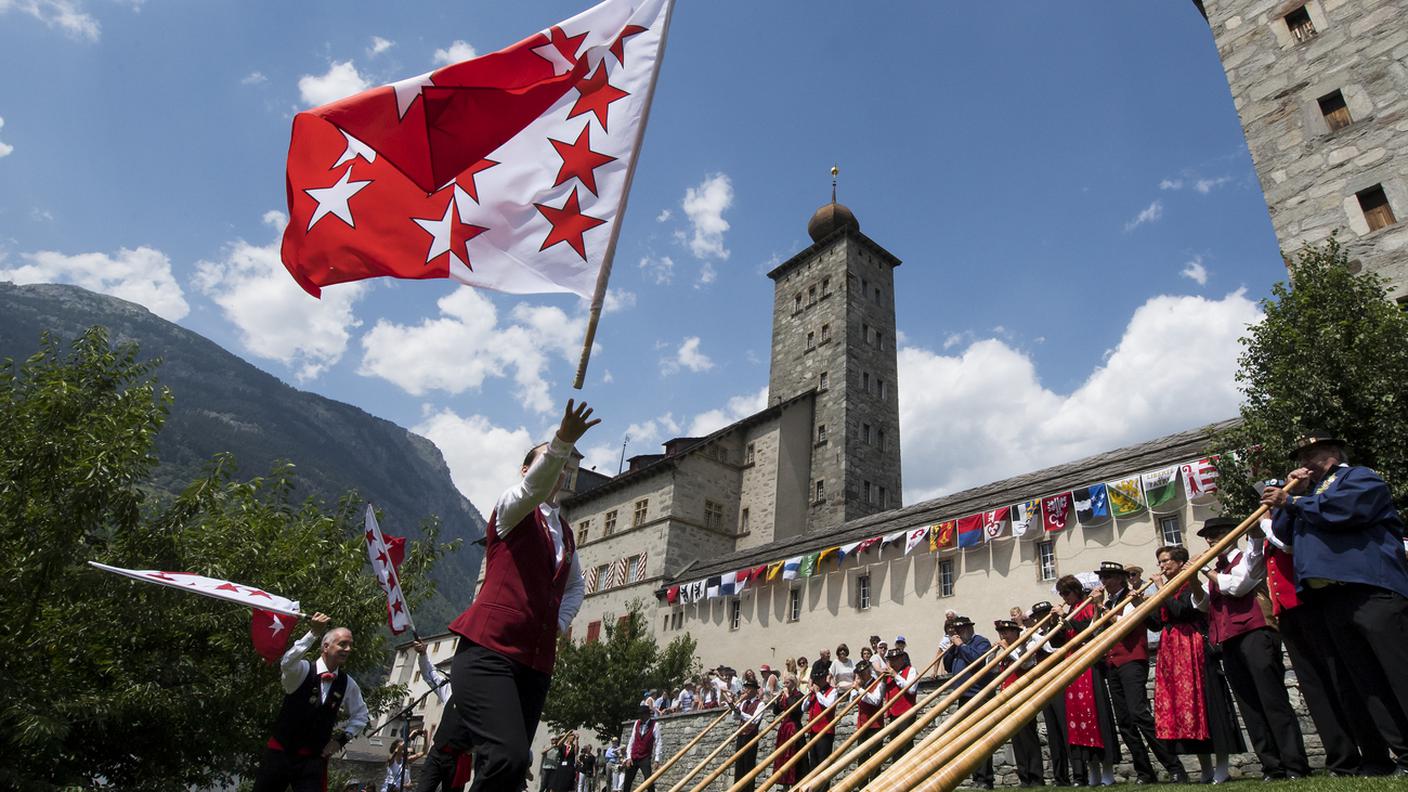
[[1091, 504]]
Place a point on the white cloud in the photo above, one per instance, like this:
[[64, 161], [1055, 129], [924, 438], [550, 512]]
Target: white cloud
[[661, 270], [737, 408], [1171, 184], [606, 378], [254, 78], [983, 415], [1150, 214], [484, 459], [1206, 186], [705, 206], [466, 345], [457, 51], [5, 149], [707, 275], [340, 80], [379, 45], [644, 437], [1195, 271], [663, 216], [142, 276], [686, 356], [618, 300], [276, 319], [66, 15]]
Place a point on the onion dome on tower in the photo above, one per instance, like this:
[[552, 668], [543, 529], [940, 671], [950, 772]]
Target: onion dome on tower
[[833, 216]]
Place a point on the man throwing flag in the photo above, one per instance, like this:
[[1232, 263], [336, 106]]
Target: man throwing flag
[[315, 693], [508, 637]]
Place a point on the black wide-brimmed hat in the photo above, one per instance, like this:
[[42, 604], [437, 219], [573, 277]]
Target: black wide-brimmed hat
[[1218, 526], [1041, 609], [1006, 624], [820, 668], [1314, 438], [751, 684], [1110, 568], [960, 621]]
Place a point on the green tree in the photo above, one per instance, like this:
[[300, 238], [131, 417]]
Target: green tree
[[597, 684], [1331, 354], [109, 681]]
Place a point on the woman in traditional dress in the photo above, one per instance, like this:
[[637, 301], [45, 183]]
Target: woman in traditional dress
[[790, 695], [1090, 721], [1193, 711]]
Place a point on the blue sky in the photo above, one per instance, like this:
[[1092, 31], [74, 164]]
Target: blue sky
[[1068, 186]]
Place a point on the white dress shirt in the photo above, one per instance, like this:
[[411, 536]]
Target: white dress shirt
[[1240, 579], [631, 743], [437, 683], [531, 492], [294, 669]]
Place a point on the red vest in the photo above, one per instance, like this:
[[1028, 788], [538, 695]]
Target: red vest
[[900, 703], [819, 723], [1281, 579], [865, 711], [644, 742], [1229, 617], [1133, 646], [515, 612]]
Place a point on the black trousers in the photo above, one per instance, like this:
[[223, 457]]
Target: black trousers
[[496, 705], [1368, 631], [1054, 714], [746, 761], [1129, 698], [818, 753], [437, 774], [1351, 746], [280, 770], [642, 766], [1026, 752], [982, 777], [1257, 676]]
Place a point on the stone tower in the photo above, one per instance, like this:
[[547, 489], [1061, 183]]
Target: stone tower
[[833, 330], [1322, 92]]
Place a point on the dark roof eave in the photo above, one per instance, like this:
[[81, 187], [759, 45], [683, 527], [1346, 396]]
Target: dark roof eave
[[889, 257]]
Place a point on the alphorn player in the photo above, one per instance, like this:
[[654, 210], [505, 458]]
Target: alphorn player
[[644, 748], [1054, 713], [1026, 741], [508, 637], [900, 693], [961, 648], [821, 719], [1090, 722], [747, 710], [1347, 539]]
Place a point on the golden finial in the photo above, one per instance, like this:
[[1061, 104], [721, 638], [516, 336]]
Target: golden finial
[[835, 171]]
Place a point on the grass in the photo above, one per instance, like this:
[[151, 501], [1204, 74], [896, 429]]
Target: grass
[[1318, 783]]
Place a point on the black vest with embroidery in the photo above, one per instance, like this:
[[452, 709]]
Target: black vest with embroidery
[[305, 721]]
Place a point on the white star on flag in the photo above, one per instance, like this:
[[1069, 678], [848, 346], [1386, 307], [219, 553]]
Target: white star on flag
[[355, 149], [276, 626], [333, 200], [439, 231], [211, 587], [408, 90]]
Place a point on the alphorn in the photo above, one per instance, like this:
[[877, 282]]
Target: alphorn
[[718, 771], [659, 771], [693, 771], [835, 721], [777, 750], [947, 769], [929, 745], [839, 760], [840, 753], [872, 764]]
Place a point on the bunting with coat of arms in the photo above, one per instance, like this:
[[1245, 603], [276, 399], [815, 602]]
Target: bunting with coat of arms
[[1199, 479], [995, 524], [1126, 496]]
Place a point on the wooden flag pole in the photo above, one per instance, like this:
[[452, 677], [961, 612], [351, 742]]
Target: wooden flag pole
[[599, 295]]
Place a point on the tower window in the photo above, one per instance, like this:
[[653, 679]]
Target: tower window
[[825, 286], [820, 433], [811, 340], [638, 517], [1336, 112], [1374, 203], [865, 381], [868, 492], [881, 434], [877, 295], [820, 490], [1298, 22], [826, 332], [743, 522], [881, 497], [797, 303], [880, 387], [610, 522], [821, 382], [865, 433], [713, 515], [865, 331], [811, 295]]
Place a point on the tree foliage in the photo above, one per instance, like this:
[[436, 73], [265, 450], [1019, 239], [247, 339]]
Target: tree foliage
[[597, 684], [1331, 354], [112, 682]]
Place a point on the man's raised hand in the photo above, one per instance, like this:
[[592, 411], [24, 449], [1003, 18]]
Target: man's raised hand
[[576, 420], [320, 623]]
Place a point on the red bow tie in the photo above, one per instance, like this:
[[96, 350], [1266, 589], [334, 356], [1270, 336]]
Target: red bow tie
[[327, 676]]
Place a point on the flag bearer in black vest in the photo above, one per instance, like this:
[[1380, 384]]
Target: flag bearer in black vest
[[297, 754]]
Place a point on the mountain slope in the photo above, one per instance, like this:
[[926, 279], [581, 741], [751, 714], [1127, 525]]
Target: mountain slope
[[223, 403]]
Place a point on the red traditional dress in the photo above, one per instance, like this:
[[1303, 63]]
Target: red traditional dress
[[1090, 722], [790, 726], [1192, 707]]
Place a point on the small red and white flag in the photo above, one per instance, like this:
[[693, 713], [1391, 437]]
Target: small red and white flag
[[1056, 512], [509, 171], [273, 619], [1199, 479], [385, 554]]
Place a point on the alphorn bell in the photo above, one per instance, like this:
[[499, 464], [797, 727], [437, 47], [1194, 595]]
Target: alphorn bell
[[947, 769], [659, 771], [693, 771], [797, 757], [840, 755], [929, 746], [718, 771], [873, 763]]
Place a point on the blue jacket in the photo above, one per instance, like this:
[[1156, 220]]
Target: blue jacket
[[1345, 528], [957, 658]]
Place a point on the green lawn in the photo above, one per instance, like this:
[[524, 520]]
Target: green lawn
[[1318, 783]]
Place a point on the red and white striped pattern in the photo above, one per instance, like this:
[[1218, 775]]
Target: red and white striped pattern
[[640, 566]]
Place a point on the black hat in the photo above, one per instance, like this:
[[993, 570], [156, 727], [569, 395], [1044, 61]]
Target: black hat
[[898, 654], [1218, 526], [1006, 624], [1110, 568], [1314, 438], [751, 684], [1041, 609], [820, 668], [960, 621]]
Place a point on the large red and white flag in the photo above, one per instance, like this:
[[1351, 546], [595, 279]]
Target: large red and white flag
[[508, 171], [273, 619], [386, 558]]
